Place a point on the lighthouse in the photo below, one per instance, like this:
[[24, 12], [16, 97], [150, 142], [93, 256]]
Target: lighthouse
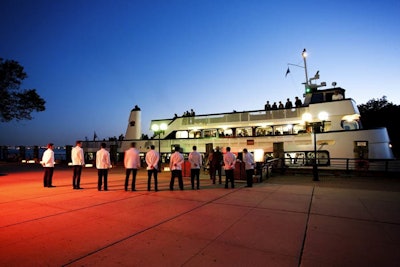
[[134, 131]]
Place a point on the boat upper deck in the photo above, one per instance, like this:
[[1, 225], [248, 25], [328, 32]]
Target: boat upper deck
[[336, 111]]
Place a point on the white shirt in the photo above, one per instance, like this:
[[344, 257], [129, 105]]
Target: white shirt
[[77, 156], [337, 97], [103, 159], [195, 160], [132, 159], [229, 161], [176, 161], [48, 158], [248, 161], [152, 159]]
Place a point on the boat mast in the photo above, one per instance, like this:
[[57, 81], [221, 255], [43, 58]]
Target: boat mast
[[304, 55]]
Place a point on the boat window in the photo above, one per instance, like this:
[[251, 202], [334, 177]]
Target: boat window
[[299, 129], [263, 131], [182, 134], [225, 132], [306, 158], [210, 133], [243, 132], [350, 125]]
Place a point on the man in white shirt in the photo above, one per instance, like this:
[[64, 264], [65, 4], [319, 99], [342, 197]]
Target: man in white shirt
[[78, 161], [152, 158], [175, 165], [195, 165], [249, 166], [132, 164], [48, 164], [229, 166], [103, 163], [337, 96]]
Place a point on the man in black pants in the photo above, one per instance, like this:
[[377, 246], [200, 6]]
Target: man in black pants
[[78, 161]]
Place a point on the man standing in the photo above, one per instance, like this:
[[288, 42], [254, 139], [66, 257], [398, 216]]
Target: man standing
[[78, 161], [337, 96], [103, 163], [175, 165], [195, 165], [229, 166], [288, 103], [152, 158], [48, 164], [297, 103], [215, 165], [132, 164], [249, 166]]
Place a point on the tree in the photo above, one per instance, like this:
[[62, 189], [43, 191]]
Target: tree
[[382, 113], [16, 103]]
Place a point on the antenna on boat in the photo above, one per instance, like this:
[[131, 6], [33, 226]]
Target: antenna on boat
[[309, 86], [304, 55]]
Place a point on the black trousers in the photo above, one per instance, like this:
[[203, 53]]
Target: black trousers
[[48, 176], [249, 177], [149, 174], [229, 177], [76, 177], [195, 174], [128, 172], [176, 173], [102, 173], [213, 172]]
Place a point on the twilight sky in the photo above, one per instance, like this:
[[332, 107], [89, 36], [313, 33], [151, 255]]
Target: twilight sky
[[94, 60]]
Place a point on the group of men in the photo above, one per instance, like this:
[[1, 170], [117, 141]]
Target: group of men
[[217, 160], [132, 163], [103, 163]]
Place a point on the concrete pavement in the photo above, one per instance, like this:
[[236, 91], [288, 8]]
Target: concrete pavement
[[285, 221]]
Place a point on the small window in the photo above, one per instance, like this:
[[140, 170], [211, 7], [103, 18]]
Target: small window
[[350, 125]]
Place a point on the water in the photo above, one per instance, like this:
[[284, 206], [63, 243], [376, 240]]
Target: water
[[14, 153]]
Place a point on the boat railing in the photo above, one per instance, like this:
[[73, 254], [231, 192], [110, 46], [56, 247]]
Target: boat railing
[[365, 166], [245, 116]]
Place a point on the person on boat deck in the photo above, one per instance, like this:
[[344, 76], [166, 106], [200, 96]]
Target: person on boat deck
[[288, 104], [274, 106], [267, 106], [297, 102], [280, 105], [337, 95]]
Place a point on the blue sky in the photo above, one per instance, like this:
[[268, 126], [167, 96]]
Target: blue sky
[[94, 60]]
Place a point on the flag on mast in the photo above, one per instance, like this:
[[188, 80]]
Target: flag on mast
[[287, 72]]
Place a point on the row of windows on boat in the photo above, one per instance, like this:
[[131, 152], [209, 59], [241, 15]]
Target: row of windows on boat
[[245, 132]]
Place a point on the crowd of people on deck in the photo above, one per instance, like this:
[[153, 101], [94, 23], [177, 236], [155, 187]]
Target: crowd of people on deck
[[280, 105], [187, 113], [297, 102], [132, 164]]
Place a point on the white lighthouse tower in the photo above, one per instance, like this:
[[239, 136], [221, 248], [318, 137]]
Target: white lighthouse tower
[[134, 131]]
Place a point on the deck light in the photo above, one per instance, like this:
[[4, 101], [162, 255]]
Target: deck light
[[316, 126]]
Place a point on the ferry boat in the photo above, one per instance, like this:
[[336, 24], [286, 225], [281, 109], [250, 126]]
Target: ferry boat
[[324, 126]]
